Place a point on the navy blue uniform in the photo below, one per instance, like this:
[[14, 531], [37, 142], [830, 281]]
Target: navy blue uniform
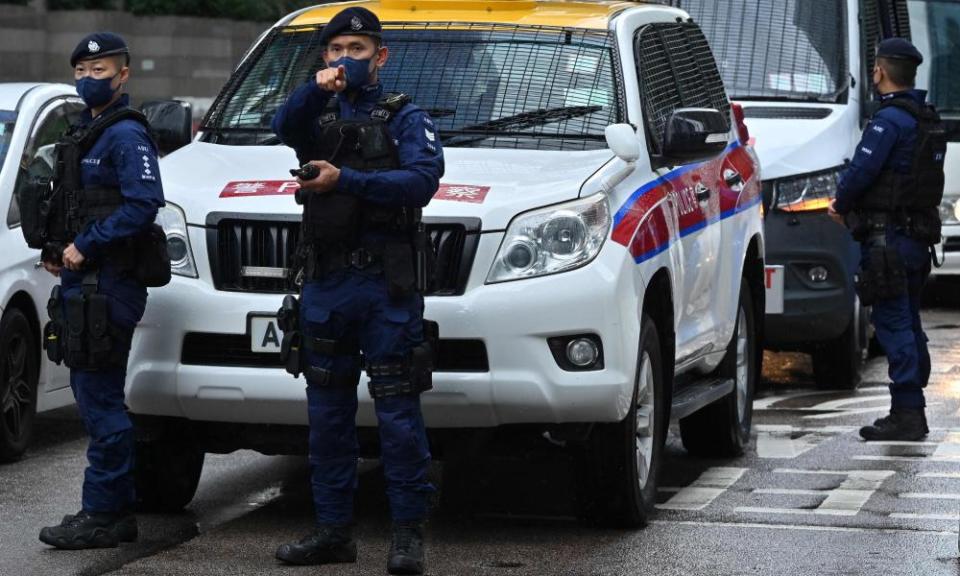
[[889, 141], [353, 305], [123, 157]]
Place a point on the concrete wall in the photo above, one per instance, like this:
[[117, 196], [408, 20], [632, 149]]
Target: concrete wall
[[171, 56]]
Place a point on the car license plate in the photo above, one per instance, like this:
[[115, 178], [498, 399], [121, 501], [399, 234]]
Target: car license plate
[[773, 280], [265, 335]]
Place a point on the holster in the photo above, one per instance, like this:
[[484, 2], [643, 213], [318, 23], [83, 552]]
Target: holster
[[416, 370], [288, 320], [53, 331], [885, 276], [925, 226], [84, 338]]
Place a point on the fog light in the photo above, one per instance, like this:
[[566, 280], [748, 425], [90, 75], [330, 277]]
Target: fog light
[[818, 274], [582, 352]]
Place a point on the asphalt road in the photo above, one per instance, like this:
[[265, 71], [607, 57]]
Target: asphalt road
[[807, 498]]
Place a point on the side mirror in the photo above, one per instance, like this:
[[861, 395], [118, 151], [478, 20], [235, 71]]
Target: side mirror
[[622, 139], [694, 133], [171, 124]]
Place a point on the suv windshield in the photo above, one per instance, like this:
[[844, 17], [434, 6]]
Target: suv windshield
[[485, 85], [7, 120], [935, 27], [776, 49]]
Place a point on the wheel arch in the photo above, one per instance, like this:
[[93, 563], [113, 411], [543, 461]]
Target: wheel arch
[[754, 272], [659, 305], [23, 302]]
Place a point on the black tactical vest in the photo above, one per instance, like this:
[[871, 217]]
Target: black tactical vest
[[921, 190], [53, 211], [339, 218]]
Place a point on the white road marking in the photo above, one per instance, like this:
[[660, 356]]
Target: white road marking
[[769, 401], [949, 447], [910, 516], [847, 412], [900, 443], [704, 490], [930, 496], [947, 450], [917, 458], [807, 528], [845, 500], [788, 492], [778, 442], [795, 511], [839, 404], [951, 475]]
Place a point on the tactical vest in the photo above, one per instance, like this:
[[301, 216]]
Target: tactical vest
[[921, 190], [54, 210], [337, 220]]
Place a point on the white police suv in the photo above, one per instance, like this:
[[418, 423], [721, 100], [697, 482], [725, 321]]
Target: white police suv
[[598, 239]]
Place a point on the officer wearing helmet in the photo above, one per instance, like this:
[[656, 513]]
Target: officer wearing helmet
[[108, 179], [371, 161], [889, 197]]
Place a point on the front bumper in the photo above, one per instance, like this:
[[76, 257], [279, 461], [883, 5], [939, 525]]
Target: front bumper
[[948, 252], [813, 312], [524, 384]]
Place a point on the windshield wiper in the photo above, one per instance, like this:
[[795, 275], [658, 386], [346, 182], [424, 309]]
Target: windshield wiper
[[532, 118], [516, 123]]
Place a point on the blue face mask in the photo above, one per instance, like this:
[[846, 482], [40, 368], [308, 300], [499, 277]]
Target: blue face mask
[[358, 71], [95, 92]]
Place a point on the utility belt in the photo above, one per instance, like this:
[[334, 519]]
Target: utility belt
[[80, 333], [143, 257], [414, 373], [407, 265], [921, 225]]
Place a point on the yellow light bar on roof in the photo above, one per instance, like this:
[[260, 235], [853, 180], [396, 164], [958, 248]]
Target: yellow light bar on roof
[[567, 14]]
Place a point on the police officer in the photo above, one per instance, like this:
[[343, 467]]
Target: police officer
[[379, 162], [889, 197], [99, 302]]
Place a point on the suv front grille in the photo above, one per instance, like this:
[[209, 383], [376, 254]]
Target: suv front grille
[[236, 244]]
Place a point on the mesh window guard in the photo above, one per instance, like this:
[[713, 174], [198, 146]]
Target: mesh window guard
[[677, 71], [777, 49], [486, 85]]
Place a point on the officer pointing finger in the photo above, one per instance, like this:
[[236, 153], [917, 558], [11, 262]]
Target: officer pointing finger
[[363, 249]]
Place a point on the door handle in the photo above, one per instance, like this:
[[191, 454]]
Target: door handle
[[703, 193], [732, 178]]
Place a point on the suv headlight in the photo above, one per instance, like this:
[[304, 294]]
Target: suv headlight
[[174, 223], [813, 191], [553, 239], [950, 210]]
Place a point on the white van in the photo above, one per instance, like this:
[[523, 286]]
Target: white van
[[935, 30], [801, 69], [598, 237]]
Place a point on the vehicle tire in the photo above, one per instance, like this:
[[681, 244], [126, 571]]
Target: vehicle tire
[[18, 384], [167, 474], [722, 429], [621, 463], [837, 363]]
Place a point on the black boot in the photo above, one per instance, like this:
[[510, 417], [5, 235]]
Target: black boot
[[902, 424], [91, 530], [325, 545], [406, 550], [880, 421]]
